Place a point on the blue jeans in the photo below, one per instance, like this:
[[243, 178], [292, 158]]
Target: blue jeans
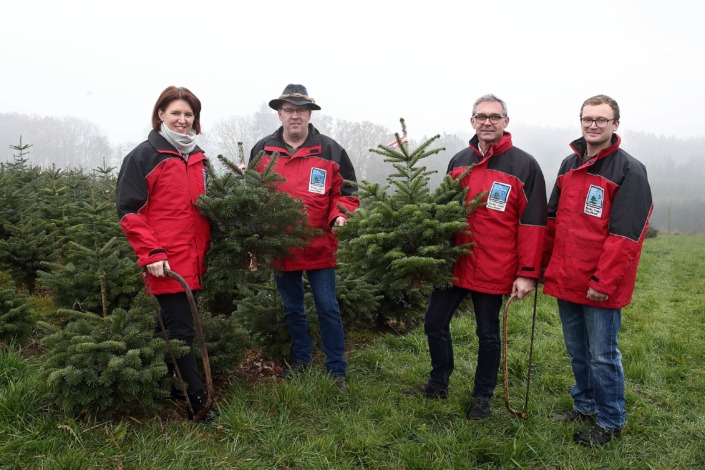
[[441, 307], [590, 335], [291, 289]]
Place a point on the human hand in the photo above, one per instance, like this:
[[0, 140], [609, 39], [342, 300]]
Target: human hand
[[522, 286], [340, 221], [596, 296], [157, 268]]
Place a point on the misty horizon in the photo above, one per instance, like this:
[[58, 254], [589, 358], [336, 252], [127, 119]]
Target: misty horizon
[[676, 167]]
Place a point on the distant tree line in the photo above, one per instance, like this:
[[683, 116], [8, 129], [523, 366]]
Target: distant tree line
[[675, 166], [65, 142]]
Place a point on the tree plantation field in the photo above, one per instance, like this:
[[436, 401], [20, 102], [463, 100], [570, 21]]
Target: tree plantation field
[[307, 423]]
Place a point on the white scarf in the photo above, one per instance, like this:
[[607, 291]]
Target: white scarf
[[184, 143]]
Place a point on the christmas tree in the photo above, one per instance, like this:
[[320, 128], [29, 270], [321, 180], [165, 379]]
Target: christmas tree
[[29, 234], [97, 270], [226, 342], [100, 365], [17, 315], [252, 224], [401, 239]]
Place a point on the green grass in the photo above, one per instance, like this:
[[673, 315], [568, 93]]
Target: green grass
[[307, 424]]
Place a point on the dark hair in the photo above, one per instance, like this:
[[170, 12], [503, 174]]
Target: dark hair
[[170, 94], [602, 99]]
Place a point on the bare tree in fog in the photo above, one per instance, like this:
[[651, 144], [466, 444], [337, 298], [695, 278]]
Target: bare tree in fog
[[225, 134], [357, 138]]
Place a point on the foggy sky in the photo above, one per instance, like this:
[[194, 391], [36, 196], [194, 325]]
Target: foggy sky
[[378, 61]]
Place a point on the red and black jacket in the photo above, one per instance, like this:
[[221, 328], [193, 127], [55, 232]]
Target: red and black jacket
[[156, 192], [507, 232], [316, 174], [598, 215]]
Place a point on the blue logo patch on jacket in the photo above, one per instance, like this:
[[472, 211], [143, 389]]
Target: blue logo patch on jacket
[[317, 182], [499, 194], [594, 201]]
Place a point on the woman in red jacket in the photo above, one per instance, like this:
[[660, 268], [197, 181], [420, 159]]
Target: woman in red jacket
[[156, 189]]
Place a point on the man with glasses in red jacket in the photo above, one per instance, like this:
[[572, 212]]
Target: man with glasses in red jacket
[[508, 236], [317, 171], [598, 214]]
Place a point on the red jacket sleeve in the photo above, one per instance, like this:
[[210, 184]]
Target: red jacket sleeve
[[132, 197]]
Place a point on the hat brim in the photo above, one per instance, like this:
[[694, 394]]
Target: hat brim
[[276, 104]]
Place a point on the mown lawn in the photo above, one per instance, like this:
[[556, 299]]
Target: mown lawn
[[308, 424]]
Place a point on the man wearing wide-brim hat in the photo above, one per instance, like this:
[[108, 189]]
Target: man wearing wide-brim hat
[[316, 169]]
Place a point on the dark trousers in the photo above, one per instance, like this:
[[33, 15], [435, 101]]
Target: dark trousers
[[178, 321], [441, 307]]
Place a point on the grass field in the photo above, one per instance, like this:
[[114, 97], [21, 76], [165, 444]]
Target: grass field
[[306, 423]]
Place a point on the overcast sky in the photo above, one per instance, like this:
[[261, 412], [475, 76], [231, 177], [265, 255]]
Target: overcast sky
[[426, 61]]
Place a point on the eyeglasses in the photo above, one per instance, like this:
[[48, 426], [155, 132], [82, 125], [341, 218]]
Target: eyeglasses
[[599, 122], [290, 111], [494, 118]]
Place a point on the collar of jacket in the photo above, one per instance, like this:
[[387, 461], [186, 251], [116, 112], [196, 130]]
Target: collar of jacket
[[161, 145], [579, 146], [311, 146], [504, 144]]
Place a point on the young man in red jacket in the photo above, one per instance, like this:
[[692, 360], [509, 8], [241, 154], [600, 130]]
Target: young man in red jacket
[[316, 169], [598, 214], [508, 236]]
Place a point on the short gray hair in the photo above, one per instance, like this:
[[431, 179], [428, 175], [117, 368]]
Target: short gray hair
[[489, 97]]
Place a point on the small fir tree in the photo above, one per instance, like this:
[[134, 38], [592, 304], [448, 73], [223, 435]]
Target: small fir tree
[[98, 271], [53, 205], [27, 237], [252, 223], [101, 365], [93, 279], [226, 342], [401, 239], [260, 310], [17, 315], [16, 187], [358, 299], [26, 246]]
